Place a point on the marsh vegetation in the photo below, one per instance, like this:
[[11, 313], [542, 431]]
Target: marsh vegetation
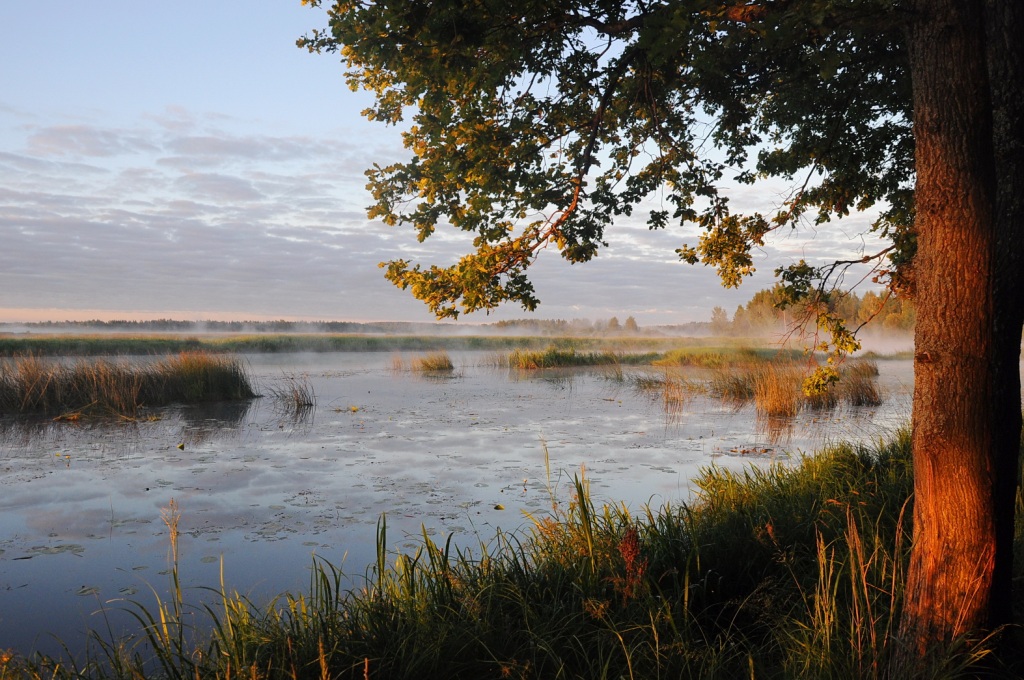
[[123, 387], [433, 362]]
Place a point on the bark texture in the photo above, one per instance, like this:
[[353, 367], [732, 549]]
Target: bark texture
[[967, 416]]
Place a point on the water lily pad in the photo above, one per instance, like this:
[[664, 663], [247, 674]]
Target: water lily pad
[[57, 549]]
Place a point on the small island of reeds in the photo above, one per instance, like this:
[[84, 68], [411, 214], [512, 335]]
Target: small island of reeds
[[121, 387]]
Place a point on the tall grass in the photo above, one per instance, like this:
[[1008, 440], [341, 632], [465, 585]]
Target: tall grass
[[859, 386], [194, 376], [775, 387], [774, 572], [120, 387], [777, 392]]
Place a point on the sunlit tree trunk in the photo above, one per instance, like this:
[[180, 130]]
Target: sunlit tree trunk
[[967, 416]]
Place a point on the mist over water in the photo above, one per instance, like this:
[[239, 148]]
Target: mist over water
[[887, 344]]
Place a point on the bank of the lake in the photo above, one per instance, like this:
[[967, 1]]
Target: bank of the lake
[[775, 572]]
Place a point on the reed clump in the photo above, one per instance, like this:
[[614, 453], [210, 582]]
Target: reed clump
[[776, 387], [732, 385], [193, 377], [777, 390], [434, 362], [859, 385], [31, 385], [568, 357]]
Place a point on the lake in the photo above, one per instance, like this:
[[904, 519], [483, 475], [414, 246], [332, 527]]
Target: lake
[[262, 487]]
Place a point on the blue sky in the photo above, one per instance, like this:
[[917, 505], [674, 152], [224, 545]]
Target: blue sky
[[186, 160]]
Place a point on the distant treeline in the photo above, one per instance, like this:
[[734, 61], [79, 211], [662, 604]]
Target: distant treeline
[[882, 311], [541, 327], [584, 327], [235, 327]]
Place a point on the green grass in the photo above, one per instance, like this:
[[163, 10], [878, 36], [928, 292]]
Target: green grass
[[566, 357], [701, 355], [772, 572], [32, 385], [725, 355]]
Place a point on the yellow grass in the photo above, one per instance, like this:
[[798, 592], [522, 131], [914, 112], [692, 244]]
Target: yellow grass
[[433, 362]]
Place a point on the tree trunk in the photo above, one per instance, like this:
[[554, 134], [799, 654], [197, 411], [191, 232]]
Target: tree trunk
[[967, 417]]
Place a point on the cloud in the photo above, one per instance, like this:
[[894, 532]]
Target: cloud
[[217, 188], [221, 149], [86, 140]]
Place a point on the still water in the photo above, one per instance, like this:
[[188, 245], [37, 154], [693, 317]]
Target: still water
[[262, 489]]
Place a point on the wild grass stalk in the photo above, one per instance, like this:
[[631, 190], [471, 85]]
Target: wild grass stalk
[[692, 357], [673, 389], [825, 400], [293, 395], [614, 373], [398, 364]]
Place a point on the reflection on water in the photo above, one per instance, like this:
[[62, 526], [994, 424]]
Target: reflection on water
[[777, 429], [264, 488], [199, 423]]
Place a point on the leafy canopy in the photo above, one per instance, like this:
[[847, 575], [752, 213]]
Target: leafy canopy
[[536, 123]]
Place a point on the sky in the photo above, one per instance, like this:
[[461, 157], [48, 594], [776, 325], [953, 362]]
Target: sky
[[186, 160]]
